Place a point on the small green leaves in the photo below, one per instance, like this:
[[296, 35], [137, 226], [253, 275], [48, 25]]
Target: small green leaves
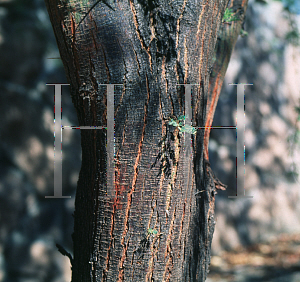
[[144, 244], [183, 128], [229, 16], [166, 153], [173, 122], [152, 231], [188, 129], [181, 118], [243, 33]]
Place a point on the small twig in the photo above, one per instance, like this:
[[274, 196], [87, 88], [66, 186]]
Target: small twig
[[218, 184], [91, 8], [199, 192], [63, 251]]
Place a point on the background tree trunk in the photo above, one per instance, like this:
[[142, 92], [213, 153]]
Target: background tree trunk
[[149, 47]]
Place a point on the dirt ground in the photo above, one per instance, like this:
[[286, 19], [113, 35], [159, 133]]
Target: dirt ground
[[277, 260]]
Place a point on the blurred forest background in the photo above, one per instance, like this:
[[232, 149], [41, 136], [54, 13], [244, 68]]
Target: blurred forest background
[[255, 239]]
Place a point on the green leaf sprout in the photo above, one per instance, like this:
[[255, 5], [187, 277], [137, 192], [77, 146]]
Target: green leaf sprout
[[229, 16], [152, 231], [183, 128]]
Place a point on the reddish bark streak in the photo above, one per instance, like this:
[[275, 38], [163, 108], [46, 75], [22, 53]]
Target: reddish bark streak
[[212, 103]]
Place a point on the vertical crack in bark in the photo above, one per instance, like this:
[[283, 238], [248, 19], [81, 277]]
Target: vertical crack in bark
[[181, 228], [124, 63], [153, 251], [186, 62], [163, 73], [204, 35], [178, 22], [139, 35], [169, 252], [94, 41], [111, 236], [171, 185], [213, 103], [136, 58], [208, 64], [106, 65], [129, 201]]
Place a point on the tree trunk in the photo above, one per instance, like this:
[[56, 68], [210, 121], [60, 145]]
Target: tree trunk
[[227, 37], [143, 230]]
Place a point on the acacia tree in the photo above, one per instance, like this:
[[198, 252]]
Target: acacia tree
[[157, 222]]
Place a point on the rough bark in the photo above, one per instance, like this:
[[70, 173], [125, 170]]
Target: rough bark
[[149, 47], [227, 37]]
